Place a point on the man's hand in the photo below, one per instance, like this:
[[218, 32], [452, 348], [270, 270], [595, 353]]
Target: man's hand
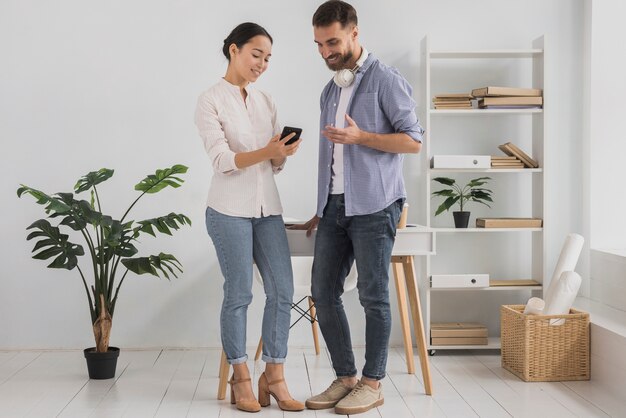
[[309, 226], [350, 135]]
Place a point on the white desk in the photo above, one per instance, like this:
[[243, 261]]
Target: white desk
[[410, 241]]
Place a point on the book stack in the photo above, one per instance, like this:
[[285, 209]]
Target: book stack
[[453, 101], [506, 162], [513, 282], [513, 150], [458, 333], [508, 98], [509, 222]]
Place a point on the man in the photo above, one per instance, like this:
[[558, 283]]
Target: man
[[367, 122]]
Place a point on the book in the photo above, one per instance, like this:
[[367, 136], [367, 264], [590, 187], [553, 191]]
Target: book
[[509, 222], [512, 107], [510, 101], [507, 165], [511, 149], [517, 282], [452, 102], [503, 157], [453, 105], [454, 96], [459, 340], [458, 329], [505, 91]]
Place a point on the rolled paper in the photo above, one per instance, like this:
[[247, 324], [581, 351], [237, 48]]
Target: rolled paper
[[534, 306], [567, 260], [560, 300]]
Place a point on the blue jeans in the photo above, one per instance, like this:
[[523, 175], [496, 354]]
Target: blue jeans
[[239, 241], [340, 240]]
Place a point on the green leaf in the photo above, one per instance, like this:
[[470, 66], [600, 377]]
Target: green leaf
[[478, 181], [444, 180], [153, 265], [162, 178], [53, 204], [447, 204], [92, 179], [444, 192], [54, 244], [163, 224], [81, 215]]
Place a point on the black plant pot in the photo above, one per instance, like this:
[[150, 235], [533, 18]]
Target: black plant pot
[[461, 219], [101, 365]]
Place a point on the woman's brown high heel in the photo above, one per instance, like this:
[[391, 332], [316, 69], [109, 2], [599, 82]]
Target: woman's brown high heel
[[265, 392], [247, 406]]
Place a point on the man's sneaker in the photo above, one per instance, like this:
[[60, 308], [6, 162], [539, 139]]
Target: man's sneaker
[[361, 399], [329, 398]]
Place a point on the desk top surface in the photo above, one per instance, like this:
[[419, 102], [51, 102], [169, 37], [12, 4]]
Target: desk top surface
[[412, 240]]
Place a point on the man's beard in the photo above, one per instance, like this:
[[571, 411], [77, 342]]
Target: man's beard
[[341, 63]]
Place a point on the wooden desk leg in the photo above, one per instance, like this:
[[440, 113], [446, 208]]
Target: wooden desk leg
[[416, 311], [259, 349], [398, 275], [313, 313], [223, 374]]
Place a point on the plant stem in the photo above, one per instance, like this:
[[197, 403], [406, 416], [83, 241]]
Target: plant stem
[[131, 206], [117, 291], [91, 308], [141, 195]]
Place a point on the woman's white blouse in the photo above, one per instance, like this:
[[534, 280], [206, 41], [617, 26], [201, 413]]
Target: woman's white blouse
[[227, 126]]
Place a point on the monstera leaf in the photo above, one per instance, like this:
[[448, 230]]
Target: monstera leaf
[[53, 204], [153, 264], [156, 182], [92, 179], [54, 243], [163, 224]]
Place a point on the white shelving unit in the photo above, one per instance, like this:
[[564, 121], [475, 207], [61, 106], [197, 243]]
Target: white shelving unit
[[528, 63]]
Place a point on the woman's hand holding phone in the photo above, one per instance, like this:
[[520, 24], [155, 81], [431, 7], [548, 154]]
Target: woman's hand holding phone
[[278, 149]]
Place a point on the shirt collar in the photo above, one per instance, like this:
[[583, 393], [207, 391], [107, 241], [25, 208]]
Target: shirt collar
[[233, 87]]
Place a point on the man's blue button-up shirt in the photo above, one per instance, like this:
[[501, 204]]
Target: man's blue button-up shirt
[[381, 103]]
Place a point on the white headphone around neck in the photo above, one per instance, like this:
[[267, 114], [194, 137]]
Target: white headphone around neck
[[344, 78]]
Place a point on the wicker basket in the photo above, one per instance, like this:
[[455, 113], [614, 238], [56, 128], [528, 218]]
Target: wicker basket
[[536, 351]]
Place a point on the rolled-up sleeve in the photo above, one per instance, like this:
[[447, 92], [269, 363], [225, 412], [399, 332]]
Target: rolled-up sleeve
[[397, 102], [212, 134], [276, 129]]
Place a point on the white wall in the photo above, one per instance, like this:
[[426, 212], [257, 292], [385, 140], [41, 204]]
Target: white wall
[[86, 85], [605, 140]]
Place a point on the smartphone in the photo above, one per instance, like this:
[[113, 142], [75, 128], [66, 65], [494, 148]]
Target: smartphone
[[288, 130]]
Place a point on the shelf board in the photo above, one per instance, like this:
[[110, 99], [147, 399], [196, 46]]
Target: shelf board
[[484, 111], [480, 230], [493, 343], [490, 288], [485, 170], [494, 53]]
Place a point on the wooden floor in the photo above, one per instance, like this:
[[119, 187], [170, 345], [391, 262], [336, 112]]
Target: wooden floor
[[183, 383]]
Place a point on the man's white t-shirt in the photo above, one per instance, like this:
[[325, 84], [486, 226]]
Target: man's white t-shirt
[[336, 183]]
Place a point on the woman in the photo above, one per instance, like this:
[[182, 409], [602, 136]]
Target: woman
[[241, 134]]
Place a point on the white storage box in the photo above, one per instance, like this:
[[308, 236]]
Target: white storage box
[[460, 161], [459, 280]]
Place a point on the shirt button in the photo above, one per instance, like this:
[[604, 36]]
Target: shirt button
[[334, 104]]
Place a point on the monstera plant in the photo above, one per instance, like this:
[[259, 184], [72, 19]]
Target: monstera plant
[[108, 241]]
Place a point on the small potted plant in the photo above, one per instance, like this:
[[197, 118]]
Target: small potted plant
[[110, 245], [471, 192]]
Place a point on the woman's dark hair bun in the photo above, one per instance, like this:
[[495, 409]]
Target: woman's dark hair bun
[[242, 34]]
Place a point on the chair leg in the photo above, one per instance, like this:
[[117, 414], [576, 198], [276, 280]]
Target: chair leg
[[223, 375], [316, 340], [259, 349]]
